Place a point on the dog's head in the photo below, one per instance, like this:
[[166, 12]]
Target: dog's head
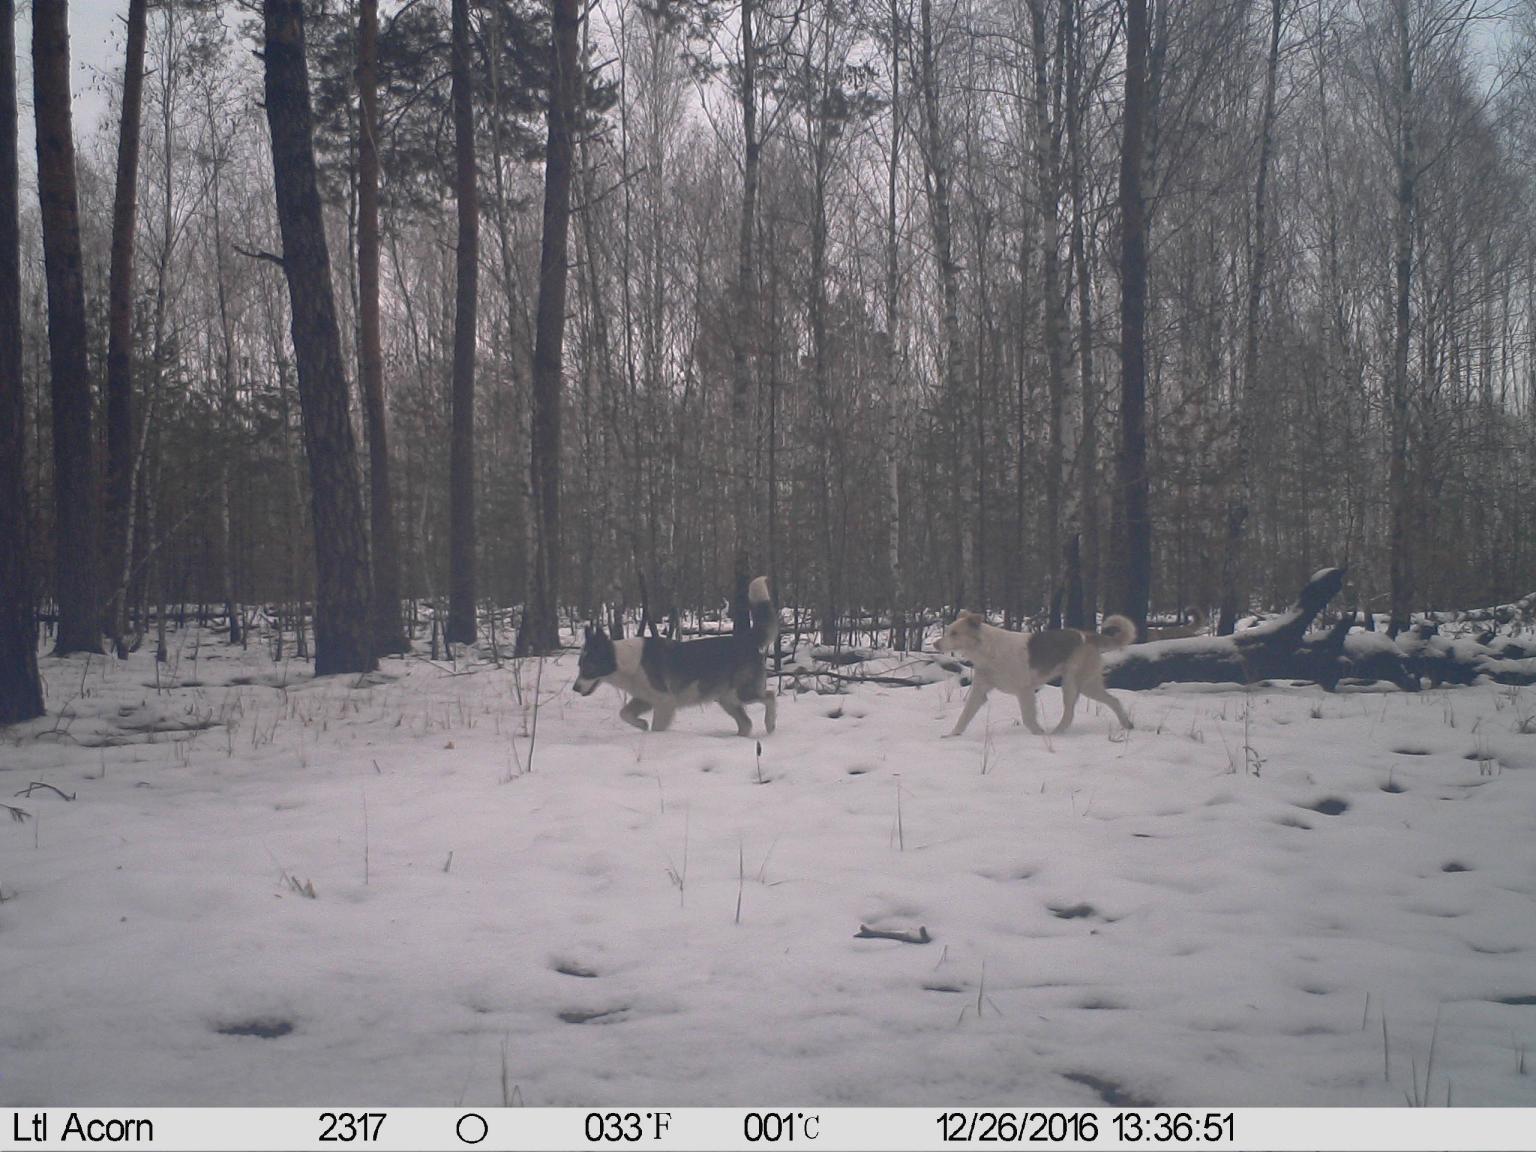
[[961, 636], [597, 661]]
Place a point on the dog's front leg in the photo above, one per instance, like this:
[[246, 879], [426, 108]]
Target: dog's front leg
[[1027, 711], [631, 713], [738, 714], [973, 702]]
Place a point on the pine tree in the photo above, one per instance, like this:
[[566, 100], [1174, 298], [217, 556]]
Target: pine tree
[[21, 692], [74, 470], [343, 625]]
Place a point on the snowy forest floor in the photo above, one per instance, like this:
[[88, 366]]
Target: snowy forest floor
[[262, 889]]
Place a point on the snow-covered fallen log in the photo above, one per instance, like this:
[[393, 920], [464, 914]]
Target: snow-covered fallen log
[[1463, 660], [1284, 649], [1277, 649]]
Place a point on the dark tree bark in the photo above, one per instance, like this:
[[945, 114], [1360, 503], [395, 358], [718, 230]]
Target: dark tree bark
[[461, 460], [1088, 451], [1242, 494], [74, 482], [1406, 163], [387, 635], [120, 438], [940, 214], [343, 632], [893, 360], [744, 345], [21, 691], [541, 632], [1044, 106], [1131, 548], [819, 143]]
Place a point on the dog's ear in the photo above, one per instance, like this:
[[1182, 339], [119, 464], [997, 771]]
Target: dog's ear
[[970, 619]]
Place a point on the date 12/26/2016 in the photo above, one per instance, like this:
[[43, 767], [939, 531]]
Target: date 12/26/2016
[[1084, 1127]]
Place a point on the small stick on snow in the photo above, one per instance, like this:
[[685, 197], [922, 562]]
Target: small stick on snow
[[27, 791], [921, 936]]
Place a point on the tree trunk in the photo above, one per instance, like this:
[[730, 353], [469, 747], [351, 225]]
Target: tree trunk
[[343, 632], [228, 385], [120, 438], [1398, 486], [541, 632], [1052, 303], [21, 691], [941, 223], [461, 465], [1131, 554], [819, 144], [387, 635], [158, 358], [1088, 451], [744, 346], [1232, 577], [892, 351], [74, 469]]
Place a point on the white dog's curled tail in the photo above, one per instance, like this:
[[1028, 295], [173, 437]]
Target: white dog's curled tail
[[1118, 631], [765, 617]]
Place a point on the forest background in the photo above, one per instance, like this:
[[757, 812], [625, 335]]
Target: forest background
[[1043, 307]]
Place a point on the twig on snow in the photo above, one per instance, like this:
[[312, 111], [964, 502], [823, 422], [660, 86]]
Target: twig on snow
[[921, 936], [27, 791]]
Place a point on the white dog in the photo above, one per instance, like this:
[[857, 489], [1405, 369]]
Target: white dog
[[1019, 662]]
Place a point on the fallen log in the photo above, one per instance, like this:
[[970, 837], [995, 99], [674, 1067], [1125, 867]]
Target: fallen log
[[1277, 649], [1445, 660], [1283, 649]]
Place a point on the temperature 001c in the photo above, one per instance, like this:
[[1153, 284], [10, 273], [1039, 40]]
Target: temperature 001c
[[772, 1127]]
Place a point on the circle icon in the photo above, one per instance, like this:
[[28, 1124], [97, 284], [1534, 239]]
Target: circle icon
[[472, 1128]]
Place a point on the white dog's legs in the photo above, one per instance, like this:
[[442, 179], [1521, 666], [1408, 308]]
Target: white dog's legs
[[1027, 711], [1095, 689], [770, 710], [1069, 692], [973, 702]]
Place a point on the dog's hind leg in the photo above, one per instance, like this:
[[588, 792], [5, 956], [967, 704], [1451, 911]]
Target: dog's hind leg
[[757, 689], [732, 704], [973, 702], [1027, 711], [1094, 689], [631, 712], [663, 718], [1069, 692]]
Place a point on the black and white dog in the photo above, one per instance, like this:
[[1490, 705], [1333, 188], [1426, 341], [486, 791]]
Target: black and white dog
[[664, 675]]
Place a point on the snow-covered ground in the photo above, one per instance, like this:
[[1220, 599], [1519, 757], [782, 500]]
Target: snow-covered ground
[[270, 890]]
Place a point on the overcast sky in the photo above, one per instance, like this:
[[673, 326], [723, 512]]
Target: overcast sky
[[95, 60]]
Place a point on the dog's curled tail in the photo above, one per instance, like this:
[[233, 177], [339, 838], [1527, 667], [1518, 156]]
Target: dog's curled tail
[[1118, 631], [765, 617]]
